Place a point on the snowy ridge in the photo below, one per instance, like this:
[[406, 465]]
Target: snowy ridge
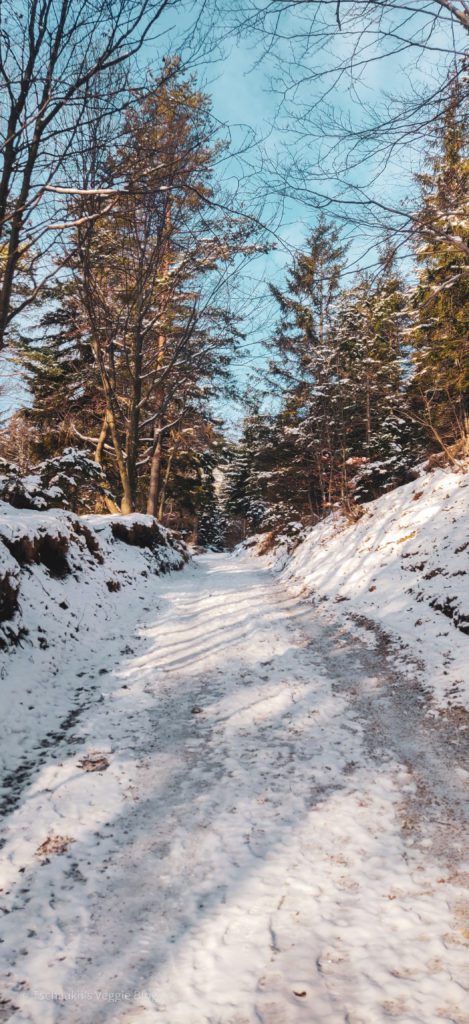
[[402, 568]]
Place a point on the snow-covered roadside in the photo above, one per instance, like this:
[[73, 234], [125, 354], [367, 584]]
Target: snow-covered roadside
[[400, 573], [72, 588]]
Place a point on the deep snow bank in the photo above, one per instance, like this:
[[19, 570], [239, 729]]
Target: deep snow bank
[[71, 588], [404, 567], [53, 561]]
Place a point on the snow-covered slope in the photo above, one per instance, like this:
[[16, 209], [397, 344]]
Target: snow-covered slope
[[68, 586], [48, 558], [400, 574]]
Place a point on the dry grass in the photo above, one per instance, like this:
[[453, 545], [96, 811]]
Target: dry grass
[[94, 763], [267, 543], [54, 844]]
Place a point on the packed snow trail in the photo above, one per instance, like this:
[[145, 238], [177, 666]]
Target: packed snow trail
[[277, 837]]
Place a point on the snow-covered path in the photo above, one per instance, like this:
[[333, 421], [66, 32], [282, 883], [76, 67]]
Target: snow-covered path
[[277, 837]]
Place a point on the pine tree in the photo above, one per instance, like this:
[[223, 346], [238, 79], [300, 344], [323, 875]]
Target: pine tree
[[211, 520], [372, 403], [59, 371], [440, 306], [147, 278], [243, 502], [344, 431], [137, 339], [305, 368]]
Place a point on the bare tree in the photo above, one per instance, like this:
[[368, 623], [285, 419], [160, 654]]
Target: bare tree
[[56, 60], [361, 86]]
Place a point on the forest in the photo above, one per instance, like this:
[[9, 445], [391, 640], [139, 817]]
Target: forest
[[234, 536], [132, 224]]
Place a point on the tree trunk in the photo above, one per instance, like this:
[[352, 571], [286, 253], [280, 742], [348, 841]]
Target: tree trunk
[[126, 501], [165, 485], [155, 472], [133, 428], [98, 457], [155, 469]]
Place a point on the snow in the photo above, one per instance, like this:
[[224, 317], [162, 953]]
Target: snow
[[61, 623], [53, 481], [17, 523], [274, 834], [402, 568]]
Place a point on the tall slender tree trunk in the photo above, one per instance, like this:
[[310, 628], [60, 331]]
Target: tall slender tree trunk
[[12, 247], [126, 501], [98, 455], [368, 419], [165, 485], [155, 472], [133, 423], [155, 467], [98, 458]]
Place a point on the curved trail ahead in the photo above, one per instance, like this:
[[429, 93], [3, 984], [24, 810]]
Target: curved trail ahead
[[277, 837]]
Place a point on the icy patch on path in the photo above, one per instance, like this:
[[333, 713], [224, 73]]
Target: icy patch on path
[[262, 847]]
